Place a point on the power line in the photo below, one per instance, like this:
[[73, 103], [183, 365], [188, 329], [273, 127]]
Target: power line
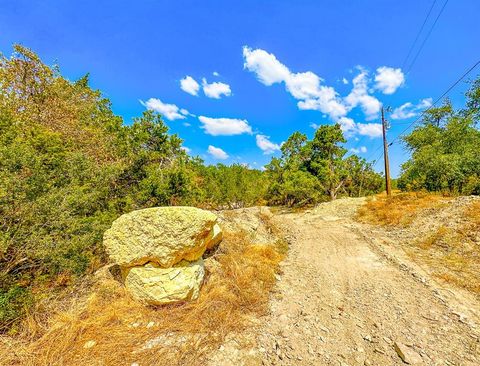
[[418, 35], [428, 35], [437, 100]]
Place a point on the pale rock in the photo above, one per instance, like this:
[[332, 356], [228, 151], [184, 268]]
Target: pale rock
[[163, 235], [89, 344], [156, 286], [407, 354]]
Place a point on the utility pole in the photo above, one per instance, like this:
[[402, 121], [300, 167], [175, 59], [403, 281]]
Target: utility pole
[[385, 155]]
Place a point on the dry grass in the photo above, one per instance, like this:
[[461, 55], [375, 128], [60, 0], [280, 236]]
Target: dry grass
[[399, 209], [234, 293], [452, 256], [452, 253]]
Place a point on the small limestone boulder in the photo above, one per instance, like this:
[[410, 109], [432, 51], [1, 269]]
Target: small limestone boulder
[[162, 235], [157, 286]]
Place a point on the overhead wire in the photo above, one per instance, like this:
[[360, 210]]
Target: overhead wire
[[427, 36], [418, 34]]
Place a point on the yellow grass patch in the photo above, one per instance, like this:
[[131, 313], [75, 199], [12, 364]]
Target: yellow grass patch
[[122, 331], [451, 253], [397, 210]]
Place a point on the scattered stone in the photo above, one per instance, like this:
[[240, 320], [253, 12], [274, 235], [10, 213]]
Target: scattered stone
[[368, 338], [89, 344], [150, 324], [407, 354]]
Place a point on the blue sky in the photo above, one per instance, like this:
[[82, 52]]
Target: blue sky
[[280, 66]]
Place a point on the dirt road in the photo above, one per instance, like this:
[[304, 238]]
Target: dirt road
[[340, 301]]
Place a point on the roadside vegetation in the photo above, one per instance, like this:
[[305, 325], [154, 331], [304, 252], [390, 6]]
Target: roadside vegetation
[[69, 167], [240, 276]]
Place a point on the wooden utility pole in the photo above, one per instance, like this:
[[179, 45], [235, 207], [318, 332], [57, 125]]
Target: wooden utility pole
[[385, 156]]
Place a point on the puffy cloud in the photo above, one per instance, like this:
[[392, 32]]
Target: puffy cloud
[[327, 102], [217, 153], [388, 79], [348, 125], [169, 111], [362, 150], [303, 86], [359, 96], [189, 85], [409, 110], [311, 94], [314, 125], [186, 149], [215, 73], [350, 128], [265, 65], [370, 129], [308, 89], [224, 126], [264, 143], [216, 89]]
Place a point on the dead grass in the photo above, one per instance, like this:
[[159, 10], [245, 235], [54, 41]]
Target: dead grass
[[398, 210], [233, 295], [452, 256], [452, 253]]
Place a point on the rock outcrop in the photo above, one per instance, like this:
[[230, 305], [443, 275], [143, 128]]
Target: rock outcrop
[[159, 251]]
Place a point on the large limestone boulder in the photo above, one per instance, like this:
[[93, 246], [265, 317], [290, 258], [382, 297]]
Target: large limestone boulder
[[156, 286], [160, 235]]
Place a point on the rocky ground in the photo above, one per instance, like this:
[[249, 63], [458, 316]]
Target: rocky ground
[[346, 297]]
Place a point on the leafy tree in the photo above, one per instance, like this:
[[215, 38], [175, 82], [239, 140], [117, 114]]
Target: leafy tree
[[445, 149]]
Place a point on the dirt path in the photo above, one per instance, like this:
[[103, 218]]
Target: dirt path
[[341, 302]]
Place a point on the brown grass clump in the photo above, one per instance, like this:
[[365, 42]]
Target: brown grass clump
[[399, 209], [452, 253], [123, 331]]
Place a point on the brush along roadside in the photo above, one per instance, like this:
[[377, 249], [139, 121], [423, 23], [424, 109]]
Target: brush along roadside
[[440, 233], [107, 327]]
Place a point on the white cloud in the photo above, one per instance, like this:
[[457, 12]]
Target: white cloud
[[169, 111], [409, 110], [303, 86], [186, 149], [189, 85], [361, 150], [216, 89], [265, 65], [348, 125], [311, 94], [388, 79], [215, 73], [350, 128], [359, 96], [314, 125], [217, 153], [266, 145], [224, 126], [370, 129]]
